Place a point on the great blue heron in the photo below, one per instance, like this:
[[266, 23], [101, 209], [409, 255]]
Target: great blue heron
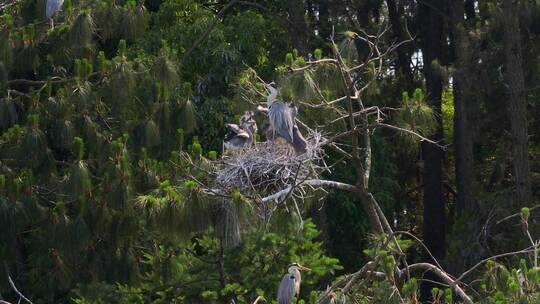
[[53, 7], [282, 120], [241, 135], [290, 284]]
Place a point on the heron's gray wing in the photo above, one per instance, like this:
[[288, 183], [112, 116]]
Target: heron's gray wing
[[237, 130], [282, 120], [53, 6], [286, 289]]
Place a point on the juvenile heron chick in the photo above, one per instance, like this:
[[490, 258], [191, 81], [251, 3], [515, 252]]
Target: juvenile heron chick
[[242, 135]]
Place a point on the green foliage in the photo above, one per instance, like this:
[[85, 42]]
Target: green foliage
[[8, 113], [253, 269], [180, 138], [318, 54], [98, 203], [525, 213], [196, 149], [80, 36], [187, 116], [212, 155], [78, 148], [414, 115], [448, 114], [79, 182]]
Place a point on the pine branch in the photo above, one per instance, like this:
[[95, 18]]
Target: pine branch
[[28, 82], [207, 32], [422, 138]]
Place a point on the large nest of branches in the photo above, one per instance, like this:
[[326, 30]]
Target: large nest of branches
[[269, 167]]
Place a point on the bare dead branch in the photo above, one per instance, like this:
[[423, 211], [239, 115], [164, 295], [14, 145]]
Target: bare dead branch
[[529, 249], [6, 4], [349, 280], [21, 296], [518, 214], [421, 244], [309, 64], [316, 183], [257, 300], [423, 267], [419, 136]]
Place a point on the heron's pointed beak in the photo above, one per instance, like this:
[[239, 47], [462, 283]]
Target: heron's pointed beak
[[303, 268]]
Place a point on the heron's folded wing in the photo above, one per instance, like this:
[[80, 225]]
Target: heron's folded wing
[[288, 120], [282, 120], [286, 289]]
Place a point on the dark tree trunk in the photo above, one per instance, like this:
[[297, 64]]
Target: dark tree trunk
[[297, 27], [325, 29], [463, 134], [403, 63], [517, 102], [470, 12], [432, 42]]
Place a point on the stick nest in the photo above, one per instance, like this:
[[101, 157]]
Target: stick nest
[[269, 167]]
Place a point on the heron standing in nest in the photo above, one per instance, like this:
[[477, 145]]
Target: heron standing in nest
[[282, 121], [290, 284], [242, 135]]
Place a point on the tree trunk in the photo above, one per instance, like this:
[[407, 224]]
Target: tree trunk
[[298, 29], [370, 209], [517, 102], [462, 99], [325, 28], [403, 63], [470, 12], [432, 43]]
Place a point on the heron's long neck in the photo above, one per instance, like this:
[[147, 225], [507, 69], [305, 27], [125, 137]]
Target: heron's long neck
[[272, 97], [296, 273], [297, 279]]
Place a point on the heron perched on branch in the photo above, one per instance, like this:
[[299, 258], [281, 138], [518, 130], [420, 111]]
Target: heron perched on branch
[[53, 7], [282, 120], [241, 135], [290, 284]]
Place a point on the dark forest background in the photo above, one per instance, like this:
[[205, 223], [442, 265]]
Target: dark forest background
[[94, 115]]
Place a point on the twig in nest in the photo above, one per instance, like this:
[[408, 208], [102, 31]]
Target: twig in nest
[[268, 167]]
